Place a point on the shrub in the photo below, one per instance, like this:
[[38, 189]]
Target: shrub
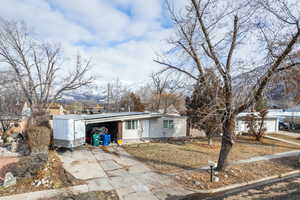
[[38, 139], [40, 118], [255, 124]]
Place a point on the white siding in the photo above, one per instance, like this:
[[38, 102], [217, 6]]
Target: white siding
[[153, 128], [63, 129], [158, 131], [270, 124], [79, 127], [133, 133]]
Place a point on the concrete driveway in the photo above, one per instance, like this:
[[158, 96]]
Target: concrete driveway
[[116, 169]]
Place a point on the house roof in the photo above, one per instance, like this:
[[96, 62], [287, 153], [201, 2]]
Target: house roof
[[245, 114]]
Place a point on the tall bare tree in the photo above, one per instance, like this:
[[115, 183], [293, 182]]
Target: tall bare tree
[[37, 65], [214, 34], [115, 90], [10, 100], [166, 90]]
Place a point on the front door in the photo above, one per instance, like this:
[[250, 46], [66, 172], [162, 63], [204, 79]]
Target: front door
[[145, 124]]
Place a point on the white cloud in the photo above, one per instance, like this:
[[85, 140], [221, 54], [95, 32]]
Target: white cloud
[[124, 35]]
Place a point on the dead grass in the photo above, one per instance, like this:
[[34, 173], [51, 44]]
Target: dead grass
[[238, 173], [173, 157]]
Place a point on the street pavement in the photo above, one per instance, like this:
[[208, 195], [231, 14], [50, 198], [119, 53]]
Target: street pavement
[[284, 190]]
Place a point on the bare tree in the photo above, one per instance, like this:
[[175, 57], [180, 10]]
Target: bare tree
[[115, 91], [160, 84], [166, 90], [213, 35], [37, 65], [10, 100]]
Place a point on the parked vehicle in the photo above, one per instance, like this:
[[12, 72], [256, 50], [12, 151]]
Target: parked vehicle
[[283, 125]]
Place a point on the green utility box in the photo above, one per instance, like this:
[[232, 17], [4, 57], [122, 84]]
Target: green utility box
[[96, 140]]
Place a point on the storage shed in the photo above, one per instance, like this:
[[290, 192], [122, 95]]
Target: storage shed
[[75, 130]]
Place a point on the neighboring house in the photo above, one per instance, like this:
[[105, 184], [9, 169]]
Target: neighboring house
[[171, 110], [290, 116], [51, 108], [55, 109], [271, 123], [74, 130], [93, 108]]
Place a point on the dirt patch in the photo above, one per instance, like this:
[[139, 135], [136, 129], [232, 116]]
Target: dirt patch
[[167, 157], [52, 171], [100, 195], [238, 173]]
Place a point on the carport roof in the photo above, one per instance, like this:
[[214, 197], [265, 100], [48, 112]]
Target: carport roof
[[108, 115]]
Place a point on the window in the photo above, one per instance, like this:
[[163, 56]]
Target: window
[[132, 124], [168, 124]]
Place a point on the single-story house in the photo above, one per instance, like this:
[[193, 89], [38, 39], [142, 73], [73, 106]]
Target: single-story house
[[55, 109], [271, 123], [73, 130]]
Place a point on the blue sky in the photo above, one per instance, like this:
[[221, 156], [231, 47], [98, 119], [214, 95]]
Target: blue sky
[[121, 36]]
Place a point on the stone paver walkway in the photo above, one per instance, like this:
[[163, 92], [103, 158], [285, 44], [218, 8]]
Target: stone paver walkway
[[116, 169]]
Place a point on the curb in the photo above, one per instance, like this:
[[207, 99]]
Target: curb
[[47, 193], [251, 184]]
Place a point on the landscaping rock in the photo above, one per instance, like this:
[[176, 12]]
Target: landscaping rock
[[23, 149], [14, 147], [216, 179], [9, 139], [38, 184], [9, 180], [197, 183]]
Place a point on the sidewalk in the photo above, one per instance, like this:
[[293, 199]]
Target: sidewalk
[[260, 158], [283, 140]]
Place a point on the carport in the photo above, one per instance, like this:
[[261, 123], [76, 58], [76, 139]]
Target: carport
[[114, 129]]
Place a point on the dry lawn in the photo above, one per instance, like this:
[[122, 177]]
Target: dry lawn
[[238, 173], [172, 157]]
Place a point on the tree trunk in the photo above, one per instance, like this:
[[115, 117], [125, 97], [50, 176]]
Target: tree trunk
[[227, 143]]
